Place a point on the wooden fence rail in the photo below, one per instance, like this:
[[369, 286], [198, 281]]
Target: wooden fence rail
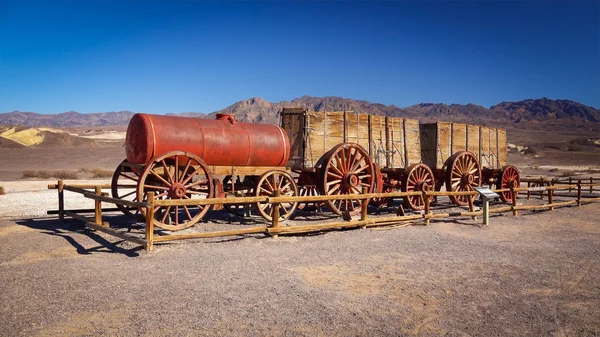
[[274, 228]]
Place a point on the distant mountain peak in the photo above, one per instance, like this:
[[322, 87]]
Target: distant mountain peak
[[257, 110]]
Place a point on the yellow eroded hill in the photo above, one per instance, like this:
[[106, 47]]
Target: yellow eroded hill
[[27, 137]]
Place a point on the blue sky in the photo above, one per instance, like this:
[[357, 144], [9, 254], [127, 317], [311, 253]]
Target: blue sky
[[180, 56]]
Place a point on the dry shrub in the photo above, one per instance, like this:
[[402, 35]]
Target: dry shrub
[[2, 190], [29, 174], [63, 174], [100, 173], [45, 174]]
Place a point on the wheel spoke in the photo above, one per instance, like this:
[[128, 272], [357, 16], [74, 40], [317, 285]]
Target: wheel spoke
[[159, 177], [199, 182], [187, 166], [186, 180], [128, 177]]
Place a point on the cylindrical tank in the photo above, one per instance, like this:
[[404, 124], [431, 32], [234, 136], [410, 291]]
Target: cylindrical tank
[[220, 142]]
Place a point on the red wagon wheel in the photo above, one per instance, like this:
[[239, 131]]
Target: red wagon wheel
[[309, 190], [267, 184], [462, 173], [176, 175], [347, 170], [239, 209], [123, 186], [507, 178], [419, 177]]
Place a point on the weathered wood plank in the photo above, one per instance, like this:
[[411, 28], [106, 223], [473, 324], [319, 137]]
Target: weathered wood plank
[[459, 137], [199, 235], [412, 142]]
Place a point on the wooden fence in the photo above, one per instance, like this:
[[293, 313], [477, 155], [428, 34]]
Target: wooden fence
[[275, 228]]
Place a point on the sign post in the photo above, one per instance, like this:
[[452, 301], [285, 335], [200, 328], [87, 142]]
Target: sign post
[[487, 195]]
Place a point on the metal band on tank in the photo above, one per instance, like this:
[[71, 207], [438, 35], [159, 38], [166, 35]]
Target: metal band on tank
[[153, 136], [284, 145], [249, 146], [203, 140]]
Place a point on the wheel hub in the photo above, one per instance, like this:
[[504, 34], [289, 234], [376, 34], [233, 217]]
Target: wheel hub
[[423, 186], [177, 190], [468, 179], [351, 180]]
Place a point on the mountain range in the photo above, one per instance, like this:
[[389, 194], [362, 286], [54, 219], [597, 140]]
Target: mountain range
[[540, 111]]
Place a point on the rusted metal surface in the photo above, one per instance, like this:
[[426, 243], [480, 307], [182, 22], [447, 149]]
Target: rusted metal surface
[[220, 142]]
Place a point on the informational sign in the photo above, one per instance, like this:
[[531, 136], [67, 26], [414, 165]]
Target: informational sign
[[486, 192], [537, 189]]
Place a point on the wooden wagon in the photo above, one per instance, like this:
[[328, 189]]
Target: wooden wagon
[[343, 152], [462, 156]]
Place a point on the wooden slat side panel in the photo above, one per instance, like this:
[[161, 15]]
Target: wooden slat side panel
[[502, 148], [493, 155], [395, 141], [473, 140], [378, 140], [485, 147], [293, 124], [412, 142], [334, 129], [459, 137], [315, 145], [352, 128], [363, 131], [444, 141], [428, 135]]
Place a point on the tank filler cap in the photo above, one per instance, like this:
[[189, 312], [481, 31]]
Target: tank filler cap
[[227, 117]]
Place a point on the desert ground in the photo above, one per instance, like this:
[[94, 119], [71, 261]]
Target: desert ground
[[533, 274]]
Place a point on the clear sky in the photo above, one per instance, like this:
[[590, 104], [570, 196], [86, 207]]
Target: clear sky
[[182, 56]]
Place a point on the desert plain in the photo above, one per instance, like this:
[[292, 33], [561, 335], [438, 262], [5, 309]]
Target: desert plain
[[534, 274]]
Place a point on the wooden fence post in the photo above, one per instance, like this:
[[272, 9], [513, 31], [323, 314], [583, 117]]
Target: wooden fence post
[[426, 199], [579, 193], [150, 222], [98, 206], [472, 206], [569, 184], [275, 213], [364, 205], [514, 199], [550, 193], [61, 201], [591, 186], [543, 183], [528, 192]]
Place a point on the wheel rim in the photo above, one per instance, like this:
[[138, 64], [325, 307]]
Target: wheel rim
[[238, 209], [419, 177], [509, 177], [124, 186], [463, 173], [176, 175], [267, 184], [347, 170]]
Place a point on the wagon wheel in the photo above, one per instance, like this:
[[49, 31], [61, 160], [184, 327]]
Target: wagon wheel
[[267, 184], [238, 209], [308, 206], [174, 176], [380, 187], [462, 173], [506, 178], [123, 186], [419, 177], [347, 170]]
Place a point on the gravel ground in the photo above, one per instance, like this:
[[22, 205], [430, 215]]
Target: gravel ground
[[535, 274]]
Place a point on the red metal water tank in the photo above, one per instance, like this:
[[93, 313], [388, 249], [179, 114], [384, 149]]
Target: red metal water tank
[[220, 142]]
